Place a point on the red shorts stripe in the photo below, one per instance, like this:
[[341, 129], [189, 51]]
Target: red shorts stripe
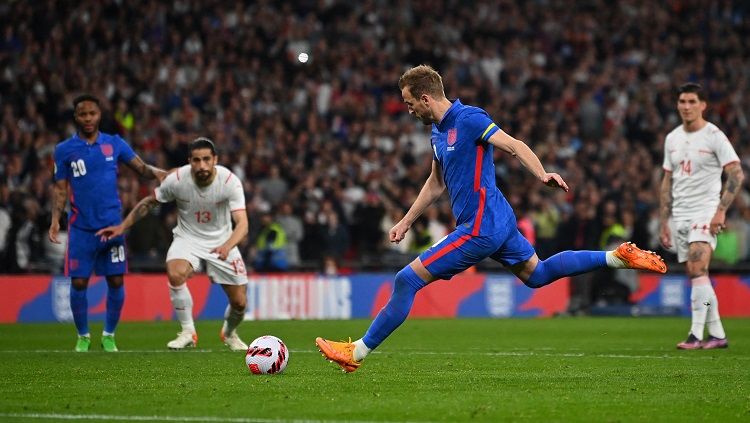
[[446, 249], [73, 208], [480, 212]]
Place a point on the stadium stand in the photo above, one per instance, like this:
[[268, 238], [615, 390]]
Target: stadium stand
[[325, 146]]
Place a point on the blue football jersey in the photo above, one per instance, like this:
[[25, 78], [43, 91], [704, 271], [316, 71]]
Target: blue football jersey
[[460, 146], [91, 170]]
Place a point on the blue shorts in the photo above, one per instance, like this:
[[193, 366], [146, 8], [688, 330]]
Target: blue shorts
[[458, 251], [87, 252]]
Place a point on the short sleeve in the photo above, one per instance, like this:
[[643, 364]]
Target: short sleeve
[[126, 153], [432, 146], [478, 126], [165, 192], [667, 164], [723, 149], [236, 193], [62, 170]]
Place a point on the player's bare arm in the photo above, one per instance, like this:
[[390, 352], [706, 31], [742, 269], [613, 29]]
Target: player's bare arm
[[239, 217], [665, 209], [147, 171], [530, 161], [431, 190], [735, 177], [58, 207], [139, 211]]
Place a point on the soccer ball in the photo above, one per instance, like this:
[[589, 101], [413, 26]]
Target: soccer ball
[[266, 355]]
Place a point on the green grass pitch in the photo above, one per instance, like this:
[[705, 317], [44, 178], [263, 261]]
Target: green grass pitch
[[545, 370]]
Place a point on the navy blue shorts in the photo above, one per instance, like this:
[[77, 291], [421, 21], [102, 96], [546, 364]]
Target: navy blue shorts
[[458, 251], [87, 252]]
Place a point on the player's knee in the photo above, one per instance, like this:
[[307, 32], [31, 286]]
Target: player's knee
[[696, 270], [177, 277], [536, 278], [79, 283], [115, 281], [408, 278], [238, 304]]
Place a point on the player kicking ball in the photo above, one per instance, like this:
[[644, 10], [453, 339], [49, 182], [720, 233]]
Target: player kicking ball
[[463, 139], [206, 195]]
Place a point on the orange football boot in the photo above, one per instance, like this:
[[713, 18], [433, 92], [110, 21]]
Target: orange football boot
[[635, 258], [341, 353]]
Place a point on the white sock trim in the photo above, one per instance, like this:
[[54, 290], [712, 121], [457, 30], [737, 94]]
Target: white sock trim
[[360, 350], [613, 261], [701, 280]]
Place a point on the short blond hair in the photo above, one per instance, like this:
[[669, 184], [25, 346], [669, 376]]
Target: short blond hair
[[422, 79]]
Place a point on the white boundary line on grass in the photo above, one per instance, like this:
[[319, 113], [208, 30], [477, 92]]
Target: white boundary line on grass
[[664, 356], [544, 352], [164, 351], [60, 416]]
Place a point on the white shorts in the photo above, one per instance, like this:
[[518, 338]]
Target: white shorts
[[227, 272], [685, 232]]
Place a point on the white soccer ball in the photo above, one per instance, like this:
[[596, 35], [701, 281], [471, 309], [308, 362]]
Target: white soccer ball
[[266, 355]]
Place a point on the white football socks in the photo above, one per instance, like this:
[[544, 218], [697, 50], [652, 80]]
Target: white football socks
[[360, 350], [232, 319], [713, 321], [700, 300], [182, 302], [614, 262]]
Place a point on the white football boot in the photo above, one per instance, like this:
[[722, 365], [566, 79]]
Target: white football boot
[[233, 341], [183, 340]]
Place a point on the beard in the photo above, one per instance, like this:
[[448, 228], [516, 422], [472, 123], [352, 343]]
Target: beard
[[87, 129], [203, 176], [423, 118]]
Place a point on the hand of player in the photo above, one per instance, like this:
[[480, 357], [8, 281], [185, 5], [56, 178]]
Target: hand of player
[[555, 181], [222, 251], [398, 232], [110, 232], [54, 229], [665, 236], [718, 222], [161, 175]]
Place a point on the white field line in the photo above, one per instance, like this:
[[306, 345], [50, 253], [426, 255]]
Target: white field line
[[542, 352], [155, 418]]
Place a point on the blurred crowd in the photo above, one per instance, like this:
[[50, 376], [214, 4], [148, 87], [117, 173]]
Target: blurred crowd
[[329, 157]]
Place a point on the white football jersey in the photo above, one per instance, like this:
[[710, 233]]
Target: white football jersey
[[204, 213], [696, 160]]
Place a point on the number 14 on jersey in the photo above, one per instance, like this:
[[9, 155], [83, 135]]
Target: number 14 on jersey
[[685, 166]]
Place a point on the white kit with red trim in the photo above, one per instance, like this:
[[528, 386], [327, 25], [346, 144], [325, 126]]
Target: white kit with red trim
[[204, 213]]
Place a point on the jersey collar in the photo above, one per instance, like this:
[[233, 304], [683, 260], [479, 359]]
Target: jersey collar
[[448, 116], [96, 141]]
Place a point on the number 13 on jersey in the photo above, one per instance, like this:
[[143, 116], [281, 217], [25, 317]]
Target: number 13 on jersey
[[203, 216]]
